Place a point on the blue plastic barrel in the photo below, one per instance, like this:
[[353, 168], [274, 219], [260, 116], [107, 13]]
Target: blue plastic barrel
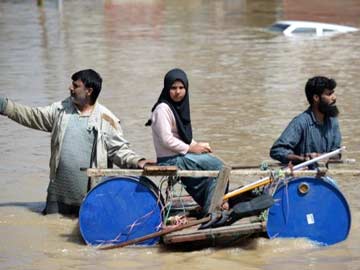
[[121, 209], [312, 208]]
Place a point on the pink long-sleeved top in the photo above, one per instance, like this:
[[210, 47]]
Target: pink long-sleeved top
[[165, 134]]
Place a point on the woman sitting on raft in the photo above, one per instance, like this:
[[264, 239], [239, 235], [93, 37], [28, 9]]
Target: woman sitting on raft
[[173, 140]]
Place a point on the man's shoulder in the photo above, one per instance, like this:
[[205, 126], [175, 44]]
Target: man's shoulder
[[104, 110], [303, 117], [108, 116], [65, 103], [301, 121]]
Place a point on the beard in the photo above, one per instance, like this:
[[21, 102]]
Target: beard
[[329, 110]]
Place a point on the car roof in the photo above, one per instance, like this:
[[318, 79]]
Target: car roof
[[318, 24]]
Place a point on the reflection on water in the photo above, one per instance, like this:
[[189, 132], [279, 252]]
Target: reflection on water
[[245, 86], [331, 11]]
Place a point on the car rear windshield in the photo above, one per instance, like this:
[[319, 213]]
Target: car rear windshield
[[278, 27]]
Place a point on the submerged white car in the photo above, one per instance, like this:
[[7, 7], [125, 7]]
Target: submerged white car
[[292, 28]]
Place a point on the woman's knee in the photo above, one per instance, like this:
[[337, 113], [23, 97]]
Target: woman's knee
[[204, 161]]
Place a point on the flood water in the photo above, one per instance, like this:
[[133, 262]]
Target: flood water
[[246, 84]]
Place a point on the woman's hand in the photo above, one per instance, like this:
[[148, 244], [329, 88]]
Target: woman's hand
[[200, 148]]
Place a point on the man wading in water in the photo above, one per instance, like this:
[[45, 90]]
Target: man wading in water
[[83, 133]]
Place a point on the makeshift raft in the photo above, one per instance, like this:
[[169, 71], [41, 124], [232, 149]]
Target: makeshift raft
[[126, 210]]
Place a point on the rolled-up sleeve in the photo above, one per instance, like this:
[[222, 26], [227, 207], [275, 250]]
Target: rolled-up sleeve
[[118, 149], [287, 142]]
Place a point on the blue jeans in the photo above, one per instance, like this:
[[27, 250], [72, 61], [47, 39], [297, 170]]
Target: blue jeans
[[200, 188]]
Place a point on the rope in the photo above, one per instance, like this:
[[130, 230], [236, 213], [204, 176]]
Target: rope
[[264, 166], [170, 195]]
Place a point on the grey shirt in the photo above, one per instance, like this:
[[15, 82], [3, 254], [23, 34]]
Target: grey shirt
[[3, 103], [70, 184]]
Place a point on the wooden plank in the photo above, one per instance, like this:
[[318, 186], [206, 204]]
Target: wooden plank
[[182, 173], [221, 183], [214, 233], [93, 172], [160, 170]]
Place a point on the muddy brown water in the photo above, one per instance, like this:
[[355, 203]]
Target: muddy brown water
[[246, 84]]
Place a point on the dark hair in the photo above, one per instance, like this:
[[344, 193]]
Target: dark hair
[[91, 79], [317, 85]]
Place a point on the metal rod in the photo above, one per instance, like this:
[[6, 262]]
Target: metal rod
[[321, 157], [266, 180]]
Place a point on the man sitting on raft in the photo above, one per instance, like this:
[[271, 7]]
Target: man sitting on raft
[[316, 130]]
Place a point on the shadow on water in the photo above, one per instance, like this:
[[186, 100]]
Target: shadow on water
[[36, 207], [74, 236]]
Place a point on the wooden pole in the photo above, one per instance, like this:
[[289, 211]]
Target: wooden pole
[[221, 183], [156, 234], [182, 173], [60, 6]]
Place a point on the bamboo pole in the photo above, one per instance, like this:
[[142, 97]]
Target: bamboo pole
[[172, 170]]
